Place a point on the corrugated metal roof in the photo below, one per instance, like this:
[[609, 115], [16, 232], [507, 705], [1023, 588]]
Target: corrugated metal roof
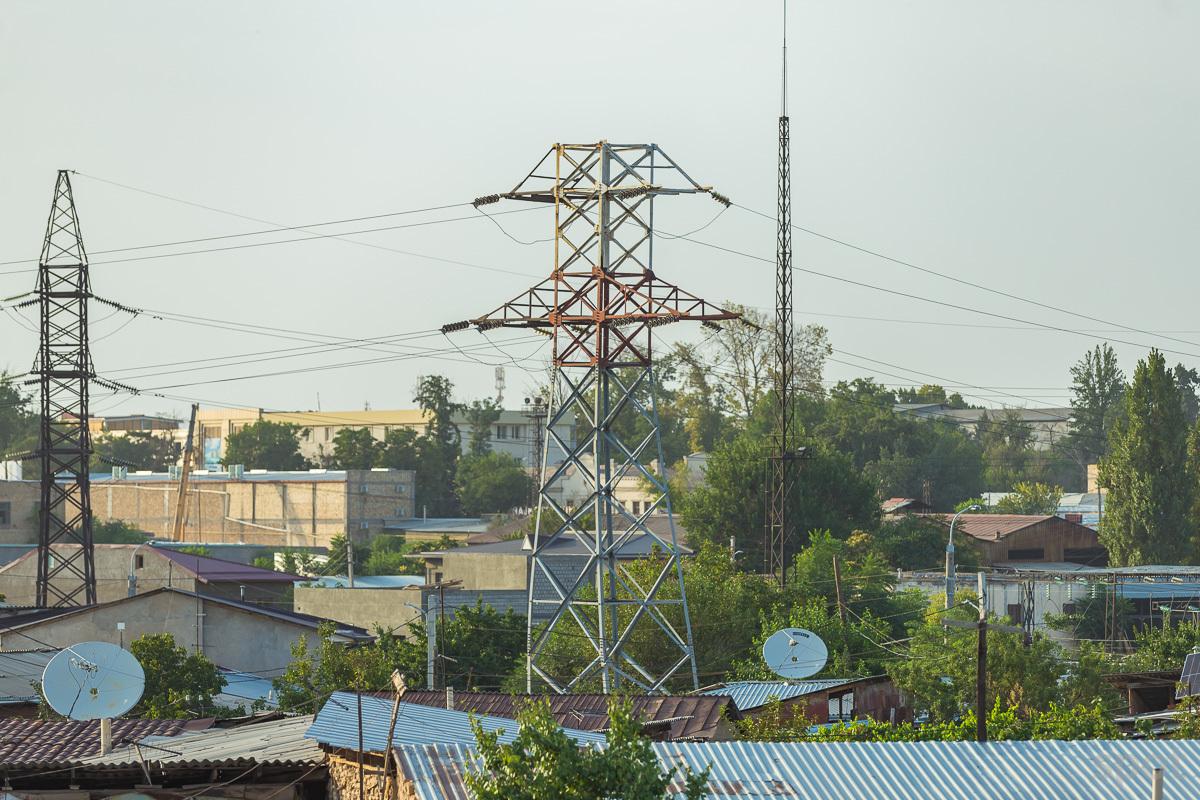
[[19, 669], [1043, 770], [748, 695], [336, 724], [690, 716], [364, 581], [244, 689], [278, 742], [38, 742], [991, 527], [209, 569]]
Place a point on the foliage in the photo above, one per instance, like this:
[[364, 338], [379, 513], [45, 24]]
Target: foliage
[[1097, 387], [482, 646], [265, 445], [1030, 497], [1093, 614], [117, 532], [385, 555], [137, 450], [1151, 486], [830, 494], [743, 356], [179, 684], [543, 761], [914, 542], [438, 450], [1008, 454], [492, 482], [1164, 647], [932, 393], [355, 448], [481, 416], [941, 666], [901, 455], [1005, 722], [327, 666], [18, 423], [194, 550]]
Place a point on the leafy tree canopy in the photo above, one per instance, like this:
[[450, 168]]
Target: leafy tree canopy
[[543, 761], [265, 445], [492, 483], [136, 450], [179, 684], [1030, 497]]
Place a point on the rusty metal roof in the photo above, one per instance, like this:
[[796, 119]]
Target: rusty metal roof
[[689, 717], [38, 742], [991, 527]]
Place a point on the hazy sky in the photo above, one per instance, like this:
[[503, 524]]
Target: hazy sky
[[1046, 149]]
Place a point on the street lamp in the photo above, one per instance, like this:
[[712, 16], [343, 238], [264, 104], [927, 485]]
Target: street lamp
[[950, 555]]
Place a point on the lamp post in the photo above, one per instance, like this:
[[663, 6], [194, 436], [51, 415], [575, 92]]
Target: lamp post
[[950, 555], [132, 573]]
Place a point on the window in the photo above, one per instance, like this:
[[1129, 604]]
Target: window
[[1088, 556], [516, 431], [637, 507], [1027, 554], [501, 431], [1015, 614], [5, 514], [401, 488], [327, 433], [437, 577], [138, 561]]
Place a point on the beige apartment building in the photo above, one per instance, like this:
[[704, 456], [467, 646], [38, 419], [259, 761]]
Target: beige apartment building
[[275, 509]]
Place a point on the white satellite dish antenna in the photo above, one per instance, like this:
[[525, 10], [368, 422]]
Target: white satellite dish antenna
[[795, 653], [93, 680]]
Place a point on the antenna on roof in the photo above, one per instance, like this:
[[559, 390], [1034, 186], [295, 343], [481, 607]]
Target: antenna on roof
[[94, 680], [795, 653]]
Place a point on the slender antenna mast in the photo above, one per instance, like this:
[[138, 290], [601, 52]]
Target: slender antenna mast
[[778, 525]]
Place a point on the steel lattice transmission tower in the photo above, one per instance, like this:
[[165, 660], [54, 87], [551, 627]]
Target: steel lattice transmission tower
[[783, 455], [600, 306], [65, 576]]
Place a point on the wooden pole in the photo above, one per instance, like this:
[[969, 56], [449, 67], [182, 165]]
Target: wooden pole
[[184, 474], [981, 667], [400, 688], [362, 795]]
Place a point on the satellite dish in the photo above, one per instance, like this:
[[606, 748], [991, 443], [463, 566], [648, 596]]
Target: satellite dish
[[795, 653], [93, 680]]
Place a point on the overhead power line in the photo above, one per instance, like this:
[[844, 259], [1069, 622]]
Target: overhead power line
[[999, 292]]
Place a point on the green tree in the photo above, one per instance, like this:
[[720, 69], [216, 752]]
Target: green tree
[[179, 684], [18, 424], [137, 450], [940, 669], [543, 761], [492, 482], [438, 450], [915, 542], [1008, 454], [901, 455], [1160, 648], [265, 445], [399, 450], [1097, 387], [481, 416], [481, 645], [117, 532], [1030, 497], [932, 393], [829, 494], [1151, 486], [326, 666], [355, 448]]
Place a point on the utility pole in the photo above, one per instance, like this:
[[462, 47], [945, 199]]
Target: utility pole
[[837, 586], [599, 306], [981, 664], [350, 559], [66, 576], [185, 472], [779, 525], [536, 409]]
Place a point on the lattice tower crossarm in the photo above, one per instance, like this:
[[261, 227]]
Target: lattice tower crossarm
[[66, 574], [600, 306]]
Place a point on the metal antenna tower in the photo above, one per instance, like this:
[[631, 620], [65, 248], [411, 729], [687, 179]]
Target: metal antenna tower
[[67, 576], [782, 455], [600, 306]]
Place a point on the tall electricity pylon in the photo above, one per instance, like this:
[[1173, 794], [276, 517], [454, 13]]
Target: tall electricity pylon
[[783, 455], [66, 576], [600, 306]]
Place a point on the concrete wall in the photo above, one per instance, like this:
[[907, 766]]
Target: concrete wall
[[19, 501], [481, 570], [291, 512], [230, 637], [17, 579], [362, 607]]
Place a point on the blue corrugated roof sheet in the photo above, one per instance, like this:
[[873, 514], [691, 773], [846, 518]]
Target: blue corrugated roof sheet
[[752, 694], [337, 725], [1043, 770]]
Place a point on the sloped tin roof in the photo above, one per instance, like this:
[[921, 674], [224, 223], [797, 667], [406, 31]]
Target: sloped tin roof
[[35, 742]]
